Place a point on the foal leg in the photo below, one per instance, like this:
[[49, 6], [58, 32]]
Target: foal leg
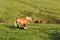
[[24, 26]]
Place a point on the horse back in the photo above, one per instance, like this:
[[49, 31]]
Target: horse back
[[21, 20]]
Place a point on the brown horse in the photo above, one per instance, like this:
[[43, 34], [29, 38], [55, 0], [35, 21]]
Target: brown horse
[[22, 21]]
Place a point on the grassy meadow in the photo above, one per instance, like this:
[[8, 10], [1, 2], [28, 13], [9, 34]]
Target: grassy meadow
[[48, 10], [34, 32]]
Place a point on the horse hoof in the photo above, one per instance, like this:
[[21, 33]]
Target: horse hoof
[[16, 27], [25, 28]]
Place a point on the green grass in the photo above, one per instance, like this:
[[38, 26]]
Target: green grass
[[48, 10], [34, 32], [41, 9]]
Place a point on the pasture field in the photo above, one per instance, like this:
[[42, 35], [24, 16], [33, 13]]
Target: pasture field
[[34, 32], [48, 10]]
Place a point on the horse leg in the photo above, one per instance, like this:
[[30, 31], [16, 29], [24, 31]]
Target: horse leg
[[16, 24], [24, 26]]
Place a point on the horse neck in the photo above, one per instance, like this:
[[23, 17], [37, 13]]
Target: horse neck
[[28, 18]]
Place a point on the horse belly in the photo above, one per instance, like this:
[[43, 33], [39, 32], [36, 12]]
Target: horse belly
[[23, 21]]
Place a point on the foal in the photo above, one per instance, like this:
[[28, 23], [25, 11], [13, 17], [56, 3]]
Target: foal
[[22, 21]]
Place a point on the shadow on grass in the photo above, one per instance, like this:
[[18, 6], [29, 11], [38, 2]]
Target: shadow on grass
[[13, 27], [55, 35]]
